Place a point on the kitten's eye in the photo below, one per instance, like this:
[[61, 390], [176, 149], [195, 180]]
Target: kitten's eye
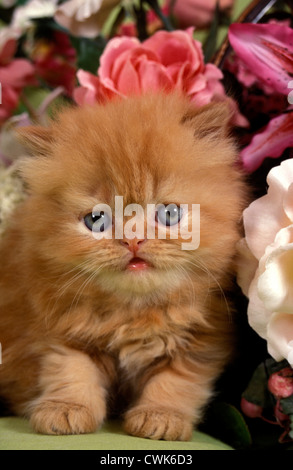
[[97, 222], [168, 215]]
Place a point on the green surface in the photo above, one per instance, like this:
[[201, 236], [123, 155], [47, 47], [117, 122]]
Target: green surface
[[16, 434]]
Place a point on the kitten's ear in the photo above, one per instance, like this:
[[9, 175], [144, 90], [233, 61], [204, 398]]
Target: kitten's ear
[[37, 139], [209, 121]]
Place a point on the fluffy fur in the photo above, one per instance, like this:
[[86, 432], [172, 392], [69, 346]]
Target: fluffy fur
[[79, 330]]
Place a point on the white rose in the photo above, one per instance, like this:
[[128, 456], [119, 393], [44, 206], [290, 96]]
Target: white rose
[[268, 246]]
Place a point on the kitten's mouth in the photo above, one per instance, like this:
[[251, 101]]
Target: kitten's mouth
[[138, 264]]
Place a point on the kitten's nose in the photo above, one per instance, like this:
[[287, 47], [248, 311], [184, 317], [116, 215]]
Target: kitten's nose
[[132, 244]]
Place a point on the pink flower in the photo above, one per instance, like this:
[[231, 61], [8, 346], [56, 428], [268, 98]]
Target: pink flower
[[167, 60], [15, 74], [267, 50], [280, 383], [198, 13], [271, 142], [245, 75]]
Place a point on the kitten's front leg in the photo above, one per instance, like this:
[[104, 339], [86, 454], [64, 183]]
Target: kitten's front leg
[[73, 397], [171, 403]]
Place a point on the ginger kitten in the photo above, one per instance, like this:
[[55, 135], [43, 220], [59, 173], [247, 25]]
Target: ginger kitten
[[85, 318]]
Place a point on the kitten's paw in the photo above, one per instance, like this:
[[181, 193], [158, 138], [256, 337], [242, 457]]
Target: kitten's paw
[[52, 417], [155, 423]]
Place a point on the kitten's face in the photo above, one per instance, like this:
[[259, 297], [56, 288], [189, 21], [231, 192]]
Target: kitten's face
[[151, 150]]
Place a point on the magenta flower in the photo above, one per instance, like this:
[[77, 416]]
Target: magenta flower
[[275, 138], [267, 52], [15, 74]]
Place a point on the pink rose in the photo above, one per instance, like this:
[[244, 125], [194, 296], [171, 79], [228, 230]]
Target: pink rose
[[165, 61]]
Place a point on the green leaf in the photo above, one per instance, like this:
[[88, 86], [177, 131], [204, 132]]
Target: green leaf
[[226, 423], [89, 52], [287, 405], [210, 45], [155, 6], [114, 20], [257, 390]]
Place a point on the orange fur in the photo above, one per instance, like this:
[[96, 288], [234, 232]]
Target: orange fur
[[76, 328]]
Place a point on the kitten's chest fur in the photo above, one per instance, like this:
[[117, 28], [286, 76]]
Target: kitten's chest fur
[[135, 338]]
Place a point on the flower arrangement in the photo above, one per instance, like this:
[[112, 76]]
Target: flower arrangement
[[83, 51]]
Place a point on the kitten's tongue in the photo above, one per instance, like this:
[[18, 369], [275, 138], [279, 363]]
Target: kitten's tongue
[[137, 264]]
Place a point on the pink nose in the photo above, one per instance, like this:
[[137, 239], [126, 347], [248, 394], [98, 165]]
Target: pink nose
[[132, 245]]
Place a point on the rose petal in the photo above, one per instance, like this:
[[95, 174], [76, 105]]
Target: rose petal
[[113, 50], [153, 76], [275, 285], [281, 177], [92, 89], [265, 217], [246, 266], [134, 55], [280, 337], [196, 85], [288, 202], [212, 72], [128, 80], [177, 47], [258, 315], [262, 220]]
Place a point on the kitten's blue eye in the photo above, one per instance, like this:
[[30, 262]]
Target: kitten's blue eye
[[168, 215], [97, 222]]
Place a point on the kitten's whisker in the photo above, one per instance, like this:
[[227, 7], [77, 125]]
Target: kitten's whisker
[[181, 269], [91, 275], [64, 288], [202, 266], [70, 281]]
